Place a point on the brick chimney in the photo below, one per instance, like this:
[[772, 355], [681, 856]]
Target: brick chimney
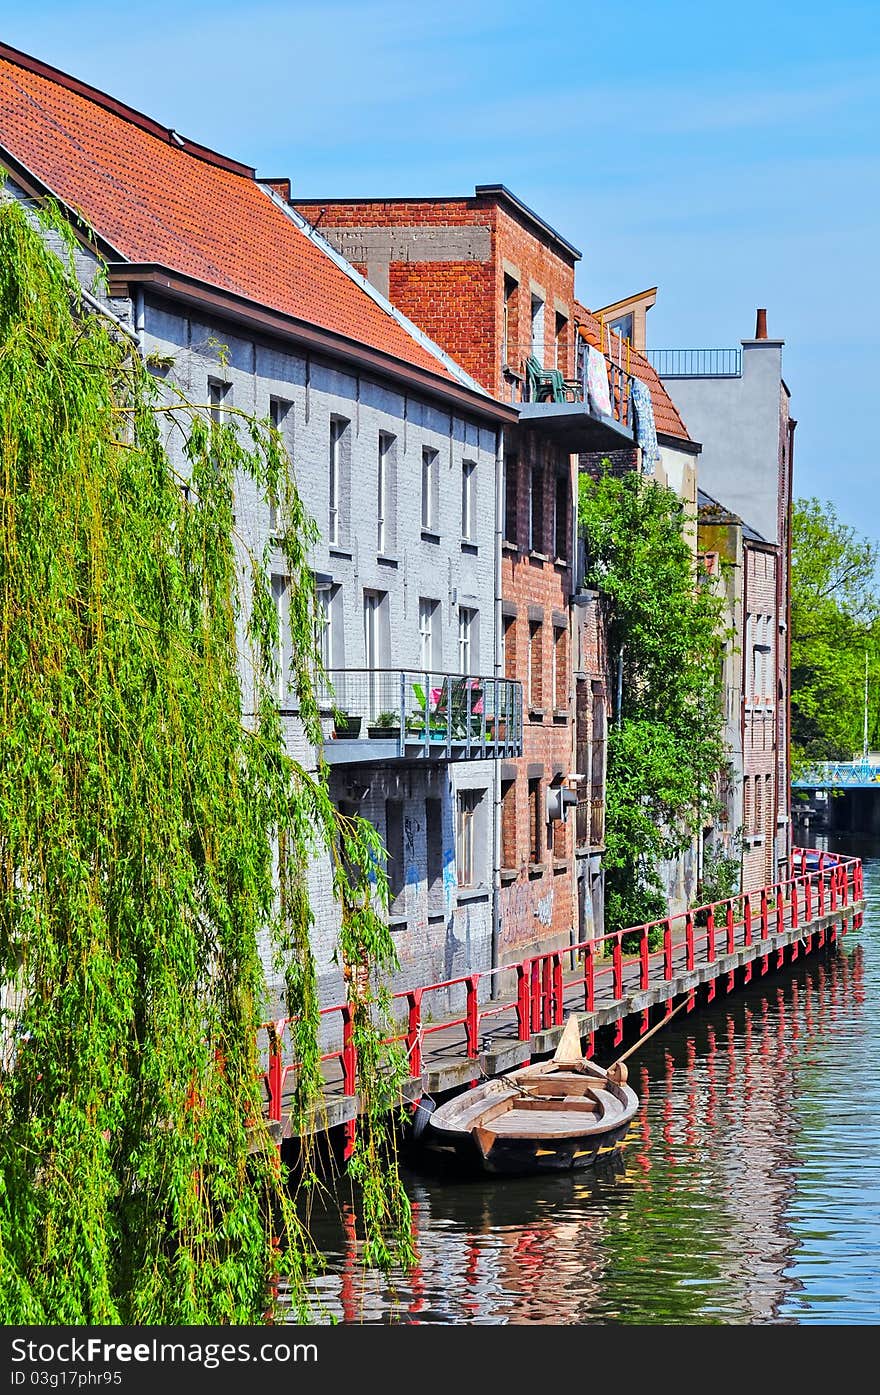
[[761, 325]]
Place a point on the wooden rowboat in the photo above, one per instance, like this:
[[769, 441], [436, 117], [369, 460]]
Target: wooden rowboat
[[552, 1116]]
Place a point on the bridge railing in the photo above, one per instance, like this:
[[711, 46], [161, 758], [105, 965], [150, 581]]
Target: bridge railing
[[837, 774], [821, 883]]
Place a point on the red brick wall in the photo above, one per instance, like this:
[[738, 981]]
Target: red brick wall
[[536, 262], [461, 304], [538, 907], [451, 301]]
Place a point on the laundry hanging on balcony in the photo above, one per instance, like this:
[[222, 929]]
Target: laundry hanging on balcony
[[598, 391], [646, 433]]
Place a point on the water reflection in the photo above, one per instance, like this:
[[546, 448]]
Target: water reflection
[[745, 1192]]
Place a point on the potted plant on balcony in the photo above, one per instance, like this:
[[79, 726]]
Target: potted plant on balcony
[[345, 726], [386, 726]]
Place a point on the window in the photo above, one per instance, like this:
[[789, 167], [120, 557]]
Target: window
[[537, 336], [430, 489], [280, 599], [560, 344], [561, 519], [560, 668], [747, 804], [217, 396], [377, 645], [468, 804], [623, 327], [329, 635], [385, 539], [467, 639], [508, 823], [281, 417], [535, 677], [536, 509], [394, 853], [508, 644], [429, 635], [509, 325], [434, 841], [339, 443], [468, 499], [536, 823], [758, 816], [511, 470]]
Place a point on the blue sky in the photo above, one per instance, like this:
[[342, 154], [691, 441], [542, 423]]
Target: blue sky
[[729, 155]]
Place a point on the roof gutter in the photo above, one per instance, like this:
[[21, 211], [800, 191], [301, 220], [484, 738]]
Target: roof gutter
[[683, 443], [244, 311]]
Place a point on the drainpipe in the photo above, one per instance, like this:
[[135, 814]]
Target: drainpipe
[[111, 315], [139, 317], [499, 673]]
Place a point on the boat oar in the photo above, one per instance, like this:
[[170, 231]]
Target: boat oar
[[621, 1074]]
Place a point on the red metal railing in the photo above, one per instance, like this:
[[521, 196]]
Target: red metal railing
[[825, 883]]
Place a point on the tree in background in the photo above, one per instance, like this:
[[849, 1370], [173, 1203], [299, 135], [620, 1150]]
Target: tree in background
[[835, 622], [152, 830], [665, 745]]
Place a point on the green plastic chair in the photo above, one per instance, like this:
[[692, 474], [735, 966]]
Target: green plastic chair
[[548, 384]]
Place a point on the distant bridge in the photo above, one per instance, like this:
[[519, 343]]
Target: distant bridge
[[858, 774]]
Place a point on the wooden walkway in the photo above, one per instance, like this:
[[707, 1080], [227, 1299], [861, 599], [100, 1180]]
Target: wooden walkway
[[703, 954]]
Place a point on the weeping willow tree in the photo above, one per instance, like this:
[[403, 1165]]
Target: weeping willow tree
[[153, 827]]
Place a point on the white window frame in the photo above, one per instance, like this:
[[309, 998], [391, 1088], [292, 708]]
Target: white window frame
[[430, 476], [325, 597], [338, 427], [537, 328], [468, 495], [279, 413], [386, 445], [466, 842], [218, 393], [466, 618], [280, 598], [428, 609]]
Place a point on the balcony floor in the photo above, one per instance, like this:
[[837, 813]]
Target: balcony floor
[[575, 427], [377, 750]]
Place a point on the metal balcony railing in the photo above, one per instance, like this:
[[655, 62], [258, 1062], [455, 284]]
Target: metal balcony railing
[[696, 363], [590, 822], [461, 716], [549, 385]]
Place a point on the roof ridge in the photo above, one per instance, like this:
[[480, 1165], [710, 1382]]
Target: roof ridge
[[123, 110], [361, 281]]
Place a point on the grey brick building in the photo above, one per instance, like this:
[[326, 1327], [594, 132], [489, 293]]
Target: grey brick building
[[397, 453]]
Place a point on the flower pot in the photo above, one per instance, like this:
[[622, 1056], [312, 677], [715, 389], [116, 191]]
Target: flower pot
[[347, 728]]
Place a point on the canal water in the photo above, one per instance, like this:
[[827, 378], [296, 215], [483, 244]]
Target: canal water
[[748, 1190]]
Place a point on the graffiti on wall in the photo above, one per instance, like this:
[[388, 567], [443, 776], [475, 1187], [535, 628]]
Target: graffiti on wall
[[523, 914]]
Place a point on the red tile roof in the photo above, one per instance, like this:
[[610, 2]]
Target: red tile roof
[[183, 207], [666, 416]]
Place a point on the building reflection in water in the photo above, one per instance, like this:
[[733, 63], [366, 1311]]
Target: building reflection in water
[[692, 1221]]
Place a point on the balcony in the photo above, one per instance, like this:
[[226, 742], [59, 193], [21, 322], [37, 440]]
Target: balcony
[[696, 363], [400, 714], [567, 411]]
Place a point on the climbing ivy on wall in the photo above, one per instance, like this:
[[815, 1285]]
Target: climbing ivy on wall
[[152, 828], [665, 742]]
